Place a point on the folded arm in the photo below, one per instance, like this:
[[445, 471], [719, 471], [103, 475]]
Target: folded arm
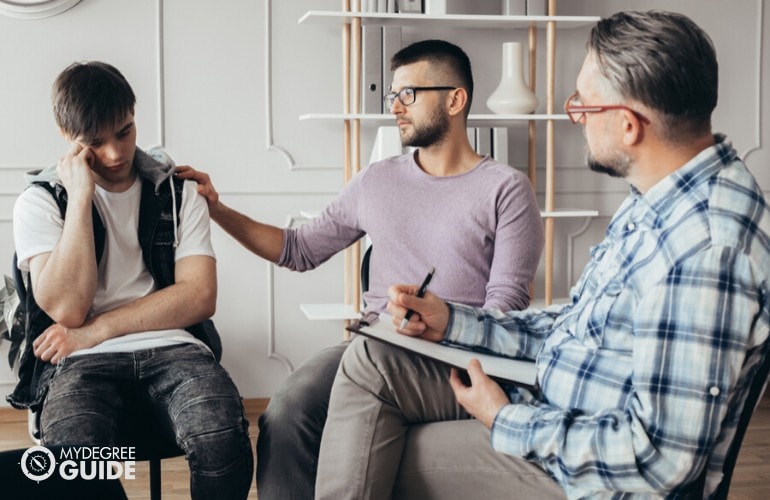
[[190, 300]]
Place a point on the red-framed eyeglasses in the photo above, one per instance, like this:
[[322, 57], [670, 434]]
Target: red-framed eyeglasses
[[577, 111]]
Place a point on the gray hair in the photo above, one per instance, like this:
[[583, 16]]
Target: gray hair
[[664, 61]]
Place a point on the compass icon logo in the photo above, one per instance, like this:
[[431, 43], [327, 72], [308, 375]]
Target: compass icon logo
[[38, 463]]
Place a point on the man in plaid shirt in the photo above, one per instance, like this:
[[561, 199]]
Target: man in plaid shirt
[[642, 376]]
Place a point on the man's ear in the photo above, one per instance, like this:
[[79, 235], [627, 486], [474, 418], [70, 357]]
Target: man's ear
[[633, 128], [457, 99]]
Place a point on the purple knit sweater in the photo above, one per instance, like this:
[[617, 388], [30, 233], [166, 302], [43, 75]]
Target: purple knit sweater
[[481, 230]]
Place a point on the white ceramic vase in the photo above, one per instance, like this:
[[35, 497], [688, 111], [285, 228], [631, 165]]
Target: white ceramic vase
[[513, 96]]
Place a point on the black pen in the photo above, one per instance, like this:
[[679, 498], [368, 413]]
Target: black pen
[[420, 293]]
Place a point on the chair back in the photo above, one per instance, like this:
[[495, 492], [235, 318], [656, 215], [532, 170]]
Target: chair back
[[18, 281], [756, 389], [365, 269]]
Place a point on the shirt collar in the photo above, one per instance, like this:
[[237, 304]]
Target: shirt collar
[[706, 164]]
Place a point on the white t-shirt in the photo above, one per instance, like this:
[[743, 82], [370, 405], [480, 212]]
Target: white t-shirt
[[123, 276]]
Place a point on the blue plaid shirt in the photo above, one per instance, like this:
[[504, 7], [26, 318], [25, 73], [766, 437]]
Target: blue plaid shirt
[[643, 375]]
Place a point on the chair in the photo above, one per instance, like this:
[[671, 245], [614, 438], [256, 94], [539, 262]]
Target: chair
[[365, 270], [153, 441], [756, 389]]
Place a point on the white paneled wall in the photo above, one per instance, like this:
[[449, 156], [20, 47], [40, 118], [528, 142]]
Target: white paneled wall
[[221, 84]]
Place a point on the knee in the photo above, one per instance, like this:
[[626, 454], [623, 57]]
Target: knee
[[366, 359], [298, 404], [219, 453], [303, 399]]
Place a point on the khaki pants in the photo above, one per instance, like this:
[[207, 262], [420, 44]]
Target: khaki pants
[[394, 429]]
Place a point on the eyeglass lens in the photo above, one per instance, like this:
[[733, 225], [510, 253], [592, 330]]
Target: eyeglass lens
[[405, 95]]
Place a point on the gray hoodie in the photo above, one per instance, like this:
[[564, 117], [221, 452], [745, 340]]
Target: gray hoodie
[[154, 165]]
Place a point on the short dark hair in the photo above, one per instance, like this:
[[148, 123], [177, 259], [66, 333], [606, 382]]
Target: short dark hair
[[89, 97], [445, 58], [663, 60]]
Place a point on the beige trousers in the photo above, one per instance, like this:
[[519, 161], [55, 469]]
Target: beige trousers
[[395, 430]]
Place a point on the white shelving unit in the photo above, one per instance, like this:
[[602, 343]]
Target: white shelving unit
[[329, 311], [351, 21]]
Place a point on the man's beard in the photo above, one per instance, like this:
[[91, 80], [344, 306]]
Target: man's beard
[[428, 134], [614, 167]]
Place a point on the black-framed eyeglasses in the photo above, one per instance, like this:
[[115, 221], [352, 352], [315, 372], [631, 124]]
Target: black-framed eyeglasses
[[576, 112], [407, 95]]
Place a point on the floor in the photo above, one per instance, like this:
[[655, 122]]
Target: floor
[[751, 479]]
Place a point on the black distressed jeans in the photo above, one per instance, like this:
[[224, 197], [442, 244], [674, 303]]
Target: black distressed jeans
[[185, 383]]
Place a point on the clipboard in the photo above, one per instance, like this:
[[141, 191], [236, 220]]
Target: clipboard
[[508, 371]]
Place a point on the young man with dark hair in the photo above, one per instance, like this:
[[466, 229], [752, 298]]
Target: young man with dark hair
[[122, 280], [642, 377], [483, 235]]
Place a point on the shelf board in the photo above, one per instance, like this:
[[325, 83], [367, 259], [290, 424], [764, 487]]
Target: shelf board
[[445, 20], [474, 120], [329, 311]]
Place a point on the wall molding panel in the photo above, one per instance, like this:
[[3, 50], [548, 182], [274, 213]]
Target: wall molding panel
[[161, 89], [759, 66], [291, 222], [271, 340], [269, 140]]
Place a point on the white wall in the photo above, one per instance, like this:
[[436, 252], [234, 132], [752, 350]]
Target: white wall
[[220, 85]]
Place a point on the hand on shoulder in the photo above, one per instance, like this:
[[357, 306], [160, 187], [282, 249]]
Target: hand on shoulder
[[205, 187]]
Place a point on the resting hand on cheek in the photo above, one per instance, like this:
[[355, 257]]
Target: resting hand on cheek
[[431, 314], [74, 171], [483, 398]]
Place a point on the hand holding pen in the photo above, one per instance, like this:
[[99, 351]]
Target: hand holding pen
[[420, 294], [433, 312]]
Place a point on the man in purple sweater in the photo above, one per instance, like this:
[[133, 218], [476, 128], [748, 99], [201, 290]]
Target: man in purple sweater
[[444, 206]]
